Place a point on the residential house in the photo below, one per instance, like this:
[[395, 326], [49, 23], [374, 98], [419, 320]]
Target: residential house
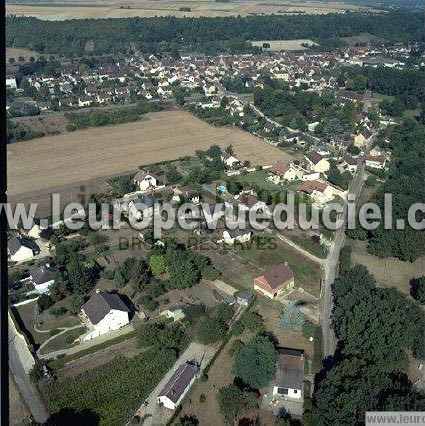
[[275, 281], [145, 180], [21, 249], [42, 277], [141, 207], [177, 387], [350, 163], [243, 298], [317, 162], [281, 171], [320, 192], [102, 313], [229, 160], [376, 162], [288, 381]]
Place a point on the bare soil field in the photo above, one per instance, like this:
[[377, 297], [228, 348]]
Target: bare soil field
[[15, 53], [61, 10], [389, 272], [79, 162], [278, 45]]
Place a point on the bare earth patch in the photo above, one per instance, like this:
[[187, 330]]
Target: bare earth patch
[[18, 411], [63, 163]]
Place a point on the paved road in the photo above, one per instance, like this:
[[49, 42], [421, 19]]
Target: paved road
[[20, 363], [330, 266]]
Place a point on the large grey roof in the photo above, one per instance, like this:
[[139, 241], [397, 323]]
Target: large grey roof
[[42, 274], [179, 382], [15, 243], [290, 369], [100, 304]]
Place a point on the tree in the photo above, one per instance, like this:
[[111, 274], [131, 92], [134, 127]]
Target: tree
[[253, 322], [79, 277], [75, 303], [157, 264], [44, 302], [235, 402], [224, 312], [211, 330], [255, 363], [194, 312], [291, 318], [418, 289], [181, 269]]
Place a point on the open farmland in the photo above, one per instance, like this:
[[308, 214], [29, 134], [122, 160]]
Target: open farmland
[[278, 45], [63, 163], [61, 10]]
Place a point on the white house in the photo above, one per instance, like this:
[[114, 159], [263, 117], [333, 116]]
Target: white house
[[281, 172], [42, 277], [177, 387], [229, 160], [21, 250], [320, 192], [11, 82], [376, 162], [102, 313], [145, 180], [317, 162], [288, 382]]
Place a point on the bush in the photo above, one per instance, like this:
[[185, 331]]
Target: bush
[[202, 397]]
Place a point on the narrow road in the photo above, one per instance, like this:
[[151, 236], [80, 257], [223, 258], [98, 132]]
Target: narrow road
[[20, 363], [331, 263]]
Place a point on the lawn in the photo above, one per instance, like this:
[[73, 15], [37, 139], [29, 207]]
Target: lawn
[[257, 178], [63, 341], [44, 321]]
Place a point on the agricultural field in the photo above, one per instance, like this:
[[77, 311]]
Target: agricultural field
[[63, 163], [279, 45], [61, 10], [15, 53]]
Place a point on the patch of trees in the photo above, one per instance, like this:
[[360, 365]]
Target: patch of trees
[[235, 402], [404, 181], [205, 34], [102, 117], [214, 328], [375, 328], [16, 132]]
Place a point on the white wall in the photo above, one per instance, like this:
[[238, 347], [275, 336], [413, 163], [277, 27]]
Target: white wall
[[112, 321], [24, 253]]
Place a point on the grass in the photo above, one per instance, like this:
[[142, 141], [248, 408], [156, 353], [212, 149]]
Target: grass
[[257, 178], [63, 341], [59, 362]]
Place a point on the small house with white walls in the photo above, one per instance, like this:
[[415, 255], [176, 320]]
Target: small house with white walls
[[174, 391], [145, 181], [288, 382], [21, 249], [42, 277], [102, 313]]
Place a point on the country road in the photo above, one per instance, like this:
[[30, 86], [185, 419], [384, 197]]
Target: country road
[[331, 263]]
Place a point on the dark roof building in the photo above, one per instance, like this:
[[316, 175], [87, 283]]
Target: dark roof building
[[173, 392], [289, 373], [100, 304]]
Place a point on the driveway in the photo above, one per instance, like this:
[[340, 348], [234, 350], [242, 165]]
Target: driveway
[[154, 415]]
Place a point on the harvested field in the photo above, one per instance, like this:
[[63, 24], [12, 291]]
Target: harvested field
[[15, 53], [278, 45], [63, 163], [58, 11]]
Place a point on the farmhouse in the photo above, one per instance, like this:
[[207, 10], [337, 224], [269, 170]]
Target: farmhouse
[[42, 277], [275, 281], [288, 382], [177, 387], [21, 249], [102, 313], [145, 180]]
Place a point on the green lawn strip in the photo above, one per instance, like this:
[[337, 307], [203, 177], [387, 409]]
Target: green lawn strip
[[60, 361]]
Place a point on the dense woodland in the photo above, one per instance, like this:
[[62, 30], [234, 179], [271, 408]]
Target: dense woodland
[[375, 327], [208, 35]]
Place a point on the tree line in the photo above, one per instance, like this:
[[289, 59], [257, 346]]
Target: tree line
[[208, 35]]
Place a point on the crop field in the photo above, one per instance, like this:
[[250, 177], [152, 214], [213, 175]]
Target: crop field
[[61, 10], [80, 161]]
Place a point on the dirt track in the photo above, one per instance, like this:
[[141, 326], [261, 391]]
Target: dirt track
[[63, 163]]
